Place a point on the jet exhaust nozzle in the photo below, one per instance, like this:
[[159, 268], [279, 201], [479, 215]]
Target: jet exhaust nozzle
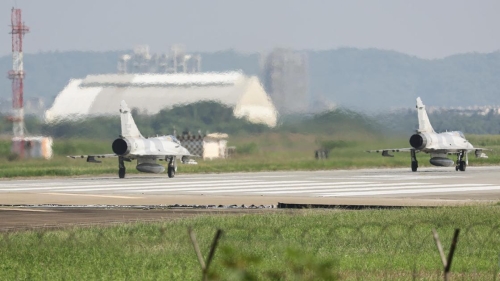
[[121, 147], [418, 141]]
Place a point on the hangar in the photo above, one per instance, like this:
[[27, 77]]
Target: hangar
[[149, 93]]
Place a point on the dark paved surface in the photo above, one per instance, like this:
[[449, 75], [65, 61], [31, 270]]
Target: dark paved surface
[[12, 219]]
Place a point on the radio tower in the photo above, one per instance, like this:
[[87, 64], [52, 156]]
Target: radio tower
[[17, 72]]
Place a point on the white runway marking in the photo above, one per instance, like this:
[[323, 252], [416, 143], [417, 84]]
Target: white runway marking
[[365, 190], [123, 183], [283, 188], [414, 191], [28, 210], [94, 195], [171, 187]]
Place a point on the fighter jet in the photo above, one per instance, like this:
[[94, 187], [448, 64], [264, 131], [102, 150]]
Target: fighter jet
[[131, 145], [439, 145]]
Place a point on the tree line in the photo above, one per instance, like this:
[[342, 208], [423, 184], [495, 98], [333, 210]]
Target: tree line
[[208, 117]]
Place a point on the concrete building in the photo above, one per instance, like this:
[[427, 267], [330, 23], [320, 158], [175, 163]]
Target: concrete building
[[285, 76], [32, 147], [207, 146], [150, 93]]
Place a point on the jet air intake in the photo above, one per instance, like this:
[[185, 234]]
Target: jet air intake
[[418, 141], [121, 147]]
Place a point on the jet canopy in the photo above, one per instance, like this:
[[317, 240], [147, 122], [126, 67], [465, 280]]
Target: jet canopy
[[456, 134], [174, 139]]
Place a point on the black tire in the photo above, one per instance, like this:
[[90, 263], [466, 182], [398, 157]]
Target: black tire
[[171, 172], [121, 173], [462, 166], [414, 166]]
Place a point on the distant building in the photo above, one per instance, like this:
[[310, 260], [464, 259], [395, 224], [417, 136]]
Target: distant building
[[34, 106], [207, 146], [285, 77], [215, 146], [150, 93], [175, 61], [460, 110], [32, 147]]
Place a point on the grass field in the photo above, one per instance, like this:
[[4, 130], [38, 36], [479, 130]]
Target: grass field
[[264, 152], [280, 245]]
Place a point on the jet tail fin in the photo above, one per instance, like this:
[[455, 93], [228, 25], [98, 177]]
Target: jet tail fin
[[424, 125], [129, 128]]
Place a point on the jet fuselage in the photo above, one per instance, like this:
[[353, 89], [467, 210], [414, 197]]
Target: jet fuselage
[[138, 146], [451, 142]]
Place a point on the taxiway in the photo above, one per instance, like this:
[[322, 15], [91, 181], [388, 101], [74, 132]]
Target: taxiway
[[428, 186]]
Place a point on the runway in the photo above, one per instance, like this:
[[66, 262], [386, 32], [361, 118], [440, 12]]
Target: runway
[[367, 186]]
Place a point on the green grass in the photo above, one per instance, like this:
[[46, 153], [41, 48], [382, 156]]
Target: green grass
[[299, 245], [264, 152]]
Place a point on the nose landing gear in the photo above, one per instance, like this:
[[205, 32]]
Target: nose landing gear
[[172, 167], [121, 168], [461, 164], [414, 162]]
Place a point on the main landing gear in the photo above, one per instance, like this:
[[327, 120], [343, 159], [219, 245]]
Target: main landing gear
[[414, 162], [461, 164], [121, 167], [172, 167]]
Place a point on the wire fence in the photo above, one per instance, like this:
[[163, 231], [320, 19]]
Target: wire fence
[[371, 251]]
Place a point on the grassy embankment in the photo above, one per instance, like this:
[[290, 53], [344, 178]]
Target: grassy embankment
[[300, 245], [264, 152]]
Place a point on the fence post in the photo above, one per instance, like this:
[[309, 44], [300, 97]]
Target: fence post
[[497, 269], [205, 265], [446, 261]]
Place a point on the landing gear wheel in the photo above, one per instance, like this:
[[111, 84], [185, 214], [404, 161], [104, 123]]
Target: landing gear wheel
[[121, 168], [171, 171], [462, 166], [414, 166], [414, 162], [172, 167], [121, 173]]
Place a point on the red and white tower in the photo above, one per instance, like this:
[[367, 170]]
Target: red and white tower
[[17, 72], [22, 146]]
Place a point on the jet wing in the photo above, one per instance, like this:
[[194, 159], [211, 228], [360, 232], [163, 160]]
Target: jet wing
[[455, 150], [92, 158], [385, 152], [479, 152], [162, 155]]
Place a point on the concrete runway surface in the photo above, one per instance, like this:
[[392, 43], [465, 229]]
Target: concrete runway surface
[[428, 186]]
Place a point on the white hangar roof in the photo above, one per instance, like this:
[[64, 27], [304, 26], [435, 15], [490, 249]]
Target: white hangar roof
[[150, 93]]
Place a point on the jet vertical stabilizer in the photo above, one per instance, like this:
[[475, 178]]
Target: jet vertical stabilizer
[[424, 125], [129, 129]]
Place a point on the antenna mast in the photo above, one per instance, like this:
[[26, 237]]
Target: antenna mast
[[17, 72]]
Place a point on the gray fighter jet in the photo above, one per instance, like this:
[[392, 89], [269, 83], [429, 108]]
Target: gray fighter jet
[[439, 145], [131, 145]]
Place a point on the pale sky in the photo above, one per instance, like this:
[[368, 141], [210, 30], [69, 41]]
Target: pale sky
[[424, 28]]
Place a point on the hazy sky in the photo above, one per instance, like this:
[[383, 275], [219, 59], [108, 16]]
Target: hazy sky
[[425, 28]]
